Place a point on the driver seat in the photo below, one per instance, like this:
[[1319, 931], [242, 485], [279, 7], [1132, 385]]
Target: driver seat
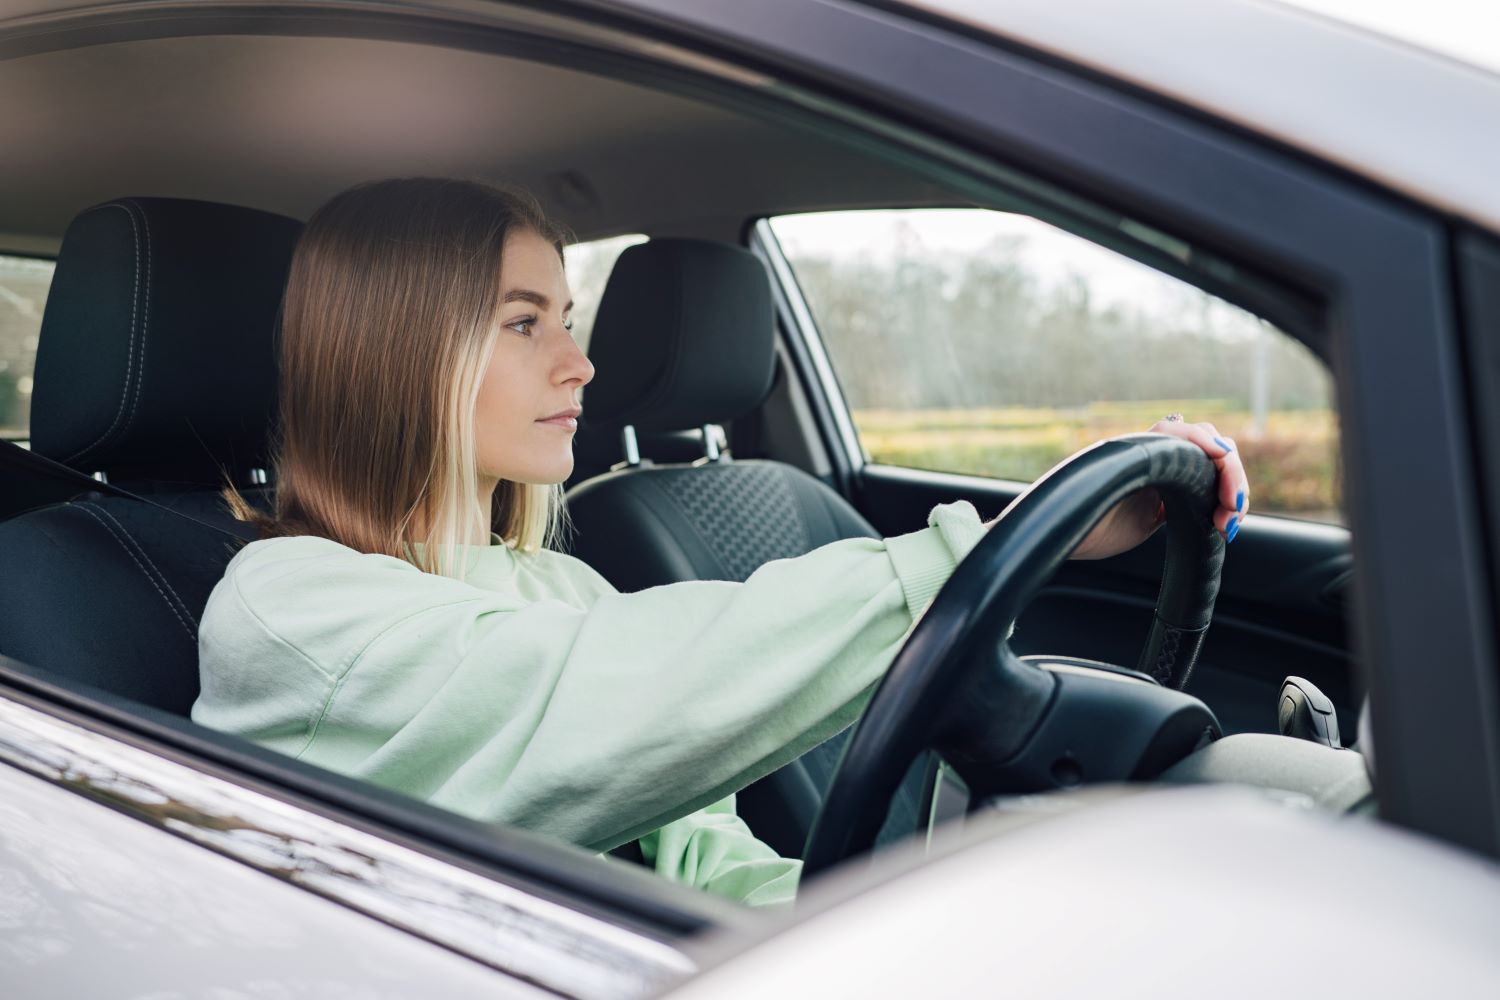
[[684, 339], [155, 372]]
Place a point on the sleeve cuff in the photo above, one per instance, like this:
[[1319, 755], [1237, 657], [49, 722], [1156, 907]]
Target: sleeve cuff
[[924, 559]]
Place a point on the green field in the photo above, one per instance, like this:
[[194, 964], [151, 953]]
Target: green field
[[1292, 463]]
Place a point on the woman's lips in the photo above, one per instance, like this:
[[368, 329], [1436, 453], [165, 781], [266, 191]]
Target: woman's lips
[[571, 423]]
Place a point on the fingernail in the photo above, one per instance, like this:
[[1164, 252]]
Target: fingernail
[[1239, 501], [1231, 529], [1223, 444]]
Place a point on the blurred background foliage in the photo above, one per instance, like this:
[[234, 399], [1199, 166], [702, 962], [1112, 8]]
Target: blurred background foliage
[[994, 345], [23, 293]]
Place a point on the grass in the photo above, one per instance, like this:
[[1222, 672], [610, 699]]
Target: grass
[[1292, 462]]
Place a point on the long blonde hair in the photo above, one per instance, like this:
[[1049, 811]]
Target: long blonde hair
[[386, 328]]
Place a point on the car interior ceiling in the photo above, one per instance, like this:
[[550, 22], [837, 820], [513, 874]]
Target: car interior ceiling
[[307, 117], [280, 123]]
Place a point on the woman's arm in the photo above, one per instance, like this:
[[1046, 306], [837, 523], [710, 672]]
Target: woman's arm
[[595, 724]]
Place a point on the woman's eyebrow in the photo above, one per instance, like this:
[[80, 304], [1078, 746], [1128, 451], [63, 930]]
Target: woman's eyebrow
[[535, 298]]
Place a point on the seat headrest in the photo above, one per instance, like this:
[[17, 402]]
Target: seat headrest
[[683, 337], [156, 356]]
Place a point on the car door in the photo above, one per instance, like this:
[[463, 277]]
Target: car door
[[1359, 274], [971, 350]]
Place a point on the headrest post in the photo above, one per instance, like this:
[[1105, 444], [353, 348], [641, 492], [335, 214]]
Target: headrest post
[[710, 442], [100, 476], [258, 477], [632, 449]]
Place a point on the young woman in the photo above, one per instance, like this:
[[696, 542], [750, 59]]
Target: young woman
[[403, 620]]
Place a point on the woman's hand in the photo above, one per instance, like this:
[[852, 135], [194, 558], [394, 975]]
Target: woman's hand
[[1136, 518]]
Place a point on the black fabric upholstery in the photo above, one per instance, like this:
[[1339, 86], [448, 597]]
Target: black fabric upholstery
[[156, 356], [683, 337], [156, 364], [110, 591], [664, 523]]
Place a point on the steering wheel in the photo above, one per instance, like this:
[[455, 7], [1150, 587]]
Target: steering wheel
[[1007, 725]]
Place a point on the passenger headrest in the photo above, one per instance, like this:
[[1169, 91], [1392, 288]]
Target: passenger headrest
[[683, 337], [156, 356]]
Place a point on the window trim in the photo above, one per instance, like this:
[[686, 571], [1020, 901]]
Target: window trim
[[800, 328]]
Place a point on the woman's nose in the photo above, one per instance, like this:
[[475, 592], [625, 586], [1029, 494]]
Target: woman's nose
[[575, 365]]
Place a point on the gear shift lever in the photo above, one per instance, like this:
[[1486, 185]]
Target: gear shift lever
[[1307, 713]]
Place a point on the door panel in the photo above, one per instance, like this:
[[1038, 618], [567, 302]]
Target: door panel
[[1280, 610]]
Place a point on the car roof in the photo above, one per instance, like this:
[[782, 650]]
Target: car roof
[[1406, 116]]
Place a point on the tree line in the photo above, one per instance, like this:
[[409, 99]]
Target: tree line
[[980, 330]]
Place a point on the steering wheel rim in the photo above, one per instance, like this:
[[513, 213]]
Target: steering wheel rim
[[961, 636]]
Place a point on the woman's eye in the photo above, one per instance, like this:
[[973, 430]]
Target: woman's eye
[[523, 326]]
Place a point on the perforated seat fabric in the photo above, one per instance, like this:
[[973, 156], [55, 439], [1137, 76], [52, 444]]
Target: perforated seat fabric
[[710, 522], [663, 524]]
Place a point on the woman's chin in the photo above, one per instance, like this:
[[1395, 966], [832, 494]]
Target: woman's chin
[[550, 476]]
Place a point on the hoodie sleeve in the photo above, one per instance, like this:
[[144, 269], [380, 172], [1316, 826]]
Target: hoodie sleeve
[[595, 724]]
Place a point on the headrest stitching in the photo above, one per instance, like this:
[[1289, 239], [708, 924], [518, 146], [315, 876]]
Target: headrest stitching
[[140, 376], [130, 355]]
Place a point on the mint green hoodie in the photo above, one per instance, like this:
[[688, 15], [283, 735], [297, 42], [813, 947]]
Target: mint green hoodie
[[533, 693]]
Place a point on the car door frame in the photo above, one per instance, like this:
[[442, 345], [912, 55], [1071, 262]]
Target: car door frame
[[1301, 223]]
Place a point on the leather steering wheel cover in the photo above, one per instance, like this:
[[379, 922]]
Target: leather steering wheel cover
[[958, 638], [1190, 577]]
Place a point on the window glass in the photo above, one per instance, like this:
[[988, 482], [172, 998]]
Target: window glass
[[988, 343], [23, 294], [588, 266]]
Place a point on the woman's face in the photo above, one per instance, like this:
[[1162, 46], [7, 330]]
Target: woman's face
[[535, 372]]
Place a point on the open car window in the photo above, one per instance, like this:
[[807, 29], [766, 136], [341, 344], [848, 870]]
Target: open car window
[[23, 294], [588, 267], [992, 344]]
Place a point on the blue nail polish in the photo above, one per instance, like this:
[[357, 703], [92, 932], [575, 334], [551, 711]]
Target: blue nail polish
[[1231, 529], [1239, 501], [1223, 444]]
